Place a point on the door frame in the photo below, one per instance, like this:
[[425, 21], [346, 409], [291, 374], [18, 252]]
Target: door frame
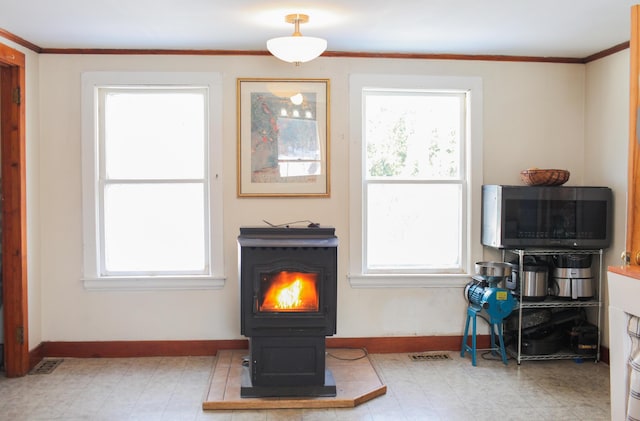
[[632, 249], [14, 215]]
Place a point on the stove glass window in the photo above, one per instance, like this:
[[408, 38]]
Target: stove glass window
[[289, 291]]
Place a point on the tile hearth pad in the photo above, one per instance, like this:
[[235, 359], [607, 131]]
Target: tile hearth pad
[[356, 382]]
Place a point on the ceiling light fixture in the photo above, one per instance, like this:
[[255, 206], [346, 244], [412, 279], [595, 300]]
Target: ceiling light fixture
[[296, 48]]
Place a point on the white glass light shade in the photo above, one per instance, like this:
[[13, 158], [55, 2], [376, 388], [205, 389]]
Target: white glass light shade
[[296, 49]]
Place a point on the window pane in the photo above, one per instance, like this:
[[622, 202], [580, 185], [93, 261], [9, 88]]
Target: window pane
[[413, 135], [163, 129], [416, 226], [154, 228]]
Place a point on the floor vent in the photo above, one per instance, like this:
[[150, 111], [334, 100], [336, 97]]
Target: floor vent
[[439, 356], [46, 366]]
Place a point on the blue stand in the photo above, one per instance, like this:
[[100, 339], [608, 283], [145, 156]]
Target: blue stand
[[495, 326]]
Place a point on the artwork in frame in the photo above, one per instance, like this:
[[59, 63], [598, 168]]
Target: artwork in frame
[[283, 137]]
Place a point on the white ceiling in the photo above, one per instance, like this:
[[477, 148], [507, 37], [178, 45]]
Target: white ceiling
[[542, 28]]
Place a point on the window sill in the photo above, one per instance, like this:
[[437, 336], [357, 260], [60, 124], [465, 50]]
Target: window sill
[[408, 280], [154, 284]]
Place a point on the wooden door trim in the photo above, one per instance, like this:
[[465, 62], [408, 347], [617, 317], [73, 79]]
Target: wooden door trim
[[633, 234], [14, 225]]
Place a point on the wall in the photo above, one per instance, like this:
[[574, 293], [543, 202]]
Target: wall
[[533, 116], [606, 144]]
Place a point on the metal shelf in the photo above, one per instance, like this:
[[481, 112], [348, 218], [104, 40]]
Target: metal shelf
[[550, 251], [558, 304], [560, 355], [555, 303]]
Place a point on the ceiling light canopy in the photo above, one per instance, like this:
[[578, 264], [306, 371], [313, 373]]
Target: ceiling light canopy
[[296, 48]]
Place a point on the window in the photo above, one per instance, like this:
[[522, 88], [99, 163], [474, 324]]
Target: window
[[415, 162], [152, 207]]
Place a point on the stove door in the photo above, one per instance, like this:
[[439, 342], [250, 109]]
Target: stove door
[[287, 361]]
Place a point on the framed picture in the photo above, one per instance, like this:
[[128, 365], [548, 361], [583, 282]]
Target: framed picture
[[283, 137]]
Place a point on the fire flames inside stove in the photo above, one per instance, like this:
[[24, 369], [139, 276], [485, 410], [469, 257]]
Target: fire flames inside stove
[[289, 291]]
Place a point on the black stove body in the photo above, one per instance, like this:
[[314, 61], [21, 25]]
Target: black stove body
[[288, 293]]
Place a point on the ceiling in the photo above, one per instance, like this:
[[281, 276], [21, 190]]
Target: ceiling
[[540, 28]]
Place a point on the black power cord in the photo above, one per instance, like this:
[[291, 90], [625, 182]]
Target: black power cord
[[288, 224], [365, 353]]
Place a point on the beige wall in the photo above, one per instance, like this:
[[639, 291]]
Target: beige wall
[[534, 115], [606, 140]]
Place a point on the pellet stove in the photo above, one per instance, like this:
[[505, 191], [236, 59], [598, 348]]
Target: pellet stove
[[288, 293]]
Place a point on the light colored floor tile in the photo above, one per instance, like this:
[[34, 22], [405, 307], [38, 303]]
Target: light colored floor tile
[[162, 388]]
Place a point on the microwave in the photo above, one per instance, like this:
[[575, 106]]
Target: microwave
[[545, 216]]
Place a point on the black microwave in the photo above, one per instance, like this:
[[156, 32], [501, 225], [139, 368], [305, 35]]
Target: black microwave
[[545, 216]]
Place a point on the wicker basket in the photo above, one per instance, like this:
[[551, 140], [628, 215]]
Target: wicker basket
[[540, 177]]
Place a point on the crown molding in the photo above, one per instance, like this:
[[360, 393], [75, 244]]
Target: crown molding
[[344, 54]]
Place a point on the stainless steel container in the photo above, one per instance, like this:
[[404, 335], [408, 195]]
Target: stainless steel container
[[573, 283], [495, 272], [494, 269], [534, 284]]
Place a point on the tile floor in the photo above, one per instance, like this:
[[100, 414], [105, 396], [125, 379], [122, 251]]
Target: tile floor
[[173, 389]]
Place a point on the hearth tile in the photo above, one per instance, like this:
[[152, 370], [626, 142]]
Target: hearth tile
[[349, 393]]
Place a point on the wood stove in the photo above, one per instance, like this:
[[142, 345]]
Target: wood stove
[[288, 294]]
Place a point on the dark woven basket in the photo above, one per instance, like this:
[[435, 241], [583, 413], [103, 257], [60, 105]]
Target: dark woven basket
[[539, 177]]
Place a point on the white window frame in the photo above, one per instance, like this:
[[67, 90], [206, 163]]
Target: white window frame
[[358, 276], [92, 277]]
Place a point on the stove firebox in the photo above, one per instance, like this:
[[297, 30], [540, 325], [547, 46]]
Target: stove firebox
[[288, 295]]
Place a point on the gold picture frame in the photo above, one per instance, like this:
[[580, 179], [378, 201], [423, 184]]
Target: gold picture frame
[[283, 137]]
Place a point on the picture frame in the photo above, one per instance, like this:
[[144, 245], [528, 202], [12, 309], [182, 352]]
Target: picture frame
[[283, 137]]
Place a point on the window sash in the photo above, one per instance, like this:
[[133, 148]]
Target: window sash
[[164, 230], [379, 255], [105, 248], [448, 98], [403, 240], [185, 107]]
